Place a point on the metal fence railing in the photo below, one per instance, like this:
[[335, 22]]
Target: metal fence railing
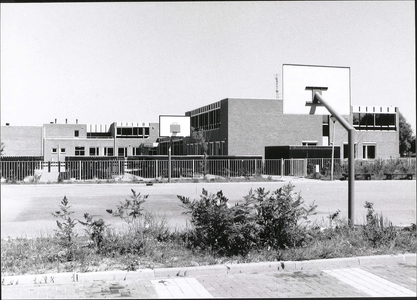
[[192, 168]]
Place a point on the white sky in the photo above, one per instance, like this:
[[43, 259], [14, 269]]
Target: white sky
[[131, 62]]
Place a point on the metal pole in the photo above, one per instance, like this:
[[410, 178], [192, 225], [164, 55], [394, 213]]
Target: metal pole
[[351, 157], [351, 184], [332, 170], [169, 160]]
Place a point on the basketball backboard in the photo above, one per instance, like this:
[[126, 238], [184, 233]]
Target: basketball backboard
[[174, 126], [300, 82]]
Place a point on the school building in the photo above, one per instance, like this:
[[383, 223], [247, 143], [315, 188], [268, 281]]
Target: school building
[[237, 127], [232, 127], [56, 141]]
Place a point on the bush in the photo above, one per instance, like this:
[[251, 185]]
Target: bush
[[219, 227], [279, 216], [262, 220]]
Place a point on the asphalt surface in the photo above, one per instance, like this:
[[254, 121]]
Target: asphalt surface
[[372, 276], [26, 209]]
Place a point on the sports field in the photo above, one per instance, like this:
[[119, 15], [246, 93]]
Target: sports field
[[26, 209]]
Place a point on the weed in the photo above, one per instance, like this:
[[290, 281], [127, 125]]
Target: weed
[[95, 229], [377, 230], [266, 226], [131, 209], [65, 230]]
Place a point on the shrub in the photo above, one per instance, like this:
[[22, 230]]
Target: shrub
[[262, 220], [219, 227], [279, 216]]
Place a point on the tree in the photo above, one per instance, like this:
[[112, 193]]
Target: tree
[[200, 138], [413, 146], [406, 136], [141, 149]]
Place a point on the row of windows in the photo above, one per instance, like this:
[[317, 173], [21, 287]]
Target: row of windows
[[216, 105], [55, 150], [108, 151], [206, 121], [133, 132], [214, 148], [176, 148], [368, 151], [372, 121]]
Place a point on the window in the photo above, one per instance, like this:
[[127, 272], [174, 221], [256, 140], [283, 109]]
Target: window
[[223, 148], [94, 151], [108, 151], [133, 132], [374, 121], [309, 143], [346, 150], [76, 133], [217, 148], [122, 151], [79, 151], [206, 118], [385, 119], [356, 118], [369, 151], [127, 131], [54, 150], [325, 130], [62, 150]]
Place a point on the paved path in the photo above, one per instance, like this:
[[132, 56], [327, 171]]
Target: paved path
[[380, 276]]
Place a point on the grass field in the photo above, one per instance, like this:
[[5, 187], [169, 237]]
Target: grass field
[[26, 209]]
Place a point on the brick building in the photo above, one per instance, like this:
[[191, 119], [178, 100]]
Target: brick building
[[232, 126], [236, 126]]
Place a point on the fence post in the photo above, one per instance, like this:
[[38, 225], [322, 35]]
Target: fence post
[[305, 167], [79, 166], [156, 168], [124, 166]]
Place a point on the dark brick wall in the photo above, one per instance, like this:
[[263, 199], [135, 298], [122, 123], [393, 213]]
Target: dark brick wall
[[256, 123]]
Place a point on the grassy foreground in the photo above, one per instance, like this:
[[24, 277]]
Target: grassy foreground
[[267, 227]]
